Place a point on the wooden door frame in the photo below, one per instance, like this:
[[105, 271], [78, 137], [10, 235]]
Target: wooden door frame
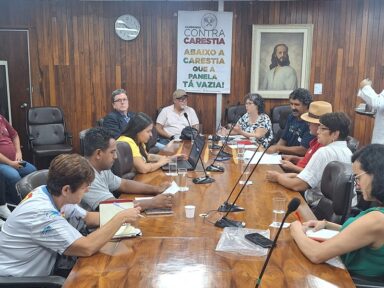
[[29, 60]]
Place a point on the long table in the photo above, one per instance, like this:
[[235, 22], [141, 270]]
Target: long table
[[178, 252]]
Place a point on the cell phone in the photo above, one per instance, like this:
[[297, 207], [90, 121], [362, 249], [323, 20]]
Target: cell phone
[[22, 163], [259, 239]]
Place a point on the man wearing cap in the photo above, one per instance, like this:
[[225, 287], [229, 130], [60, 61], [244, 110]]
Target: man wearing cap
[[296, 137], [293, 163], [117, 120], [171, 120]]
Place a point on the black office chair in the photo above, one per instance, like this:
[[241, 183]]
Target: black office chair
[[361, 282], [353, 144], [32, 282], [23, 187], [99, 123], [232, 113], [123, 166], [151, 145], [337, 188], [47, 135], [31, 181], [279, 116], [81, 139]]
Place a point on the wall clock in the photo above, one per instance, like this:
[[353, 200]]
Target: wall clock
[[127, 27]]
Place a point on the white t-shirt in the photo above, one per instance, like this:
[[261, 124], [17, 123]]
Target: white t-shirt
[[376, 102], [34, 233], [312, 173], [100, 189], [173, 122]]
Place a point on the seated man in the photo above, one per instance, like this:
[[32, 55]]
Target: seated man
[[117, 120], [296, 137], [171, 120], [12, 166], [37, 230], [332, 134], [296, 164], [100, 150]]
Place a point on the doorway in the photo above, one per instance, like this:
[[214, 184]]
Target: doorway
[[14, 50]]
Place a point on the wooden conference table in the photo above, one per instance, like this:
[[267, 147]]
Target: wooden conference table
[[178, 252]]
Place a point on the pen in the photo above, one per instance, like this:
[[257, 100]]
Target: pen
[[118, 205], [298, 216]]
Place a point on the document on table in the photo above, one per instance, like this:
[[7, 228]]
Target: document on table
[[267, 158]]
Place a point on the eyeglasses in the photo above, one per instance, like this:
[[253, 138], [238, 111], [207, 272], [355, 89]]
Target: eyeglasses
[[356, 178], [121, 100], [184, 98], [249, 103]]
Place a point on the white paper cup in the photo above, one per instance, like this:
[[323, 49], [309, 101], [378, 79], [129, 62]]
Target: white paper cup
[[190, 211]]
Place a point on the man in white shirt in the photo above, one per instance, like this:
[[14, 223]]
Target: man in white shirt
[[331, 133], [38, 230], [376, 101], [171, 120]]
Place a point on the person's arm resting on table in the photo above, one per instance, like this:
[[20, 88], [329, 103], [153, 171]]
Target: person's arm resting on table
[[365, 231]]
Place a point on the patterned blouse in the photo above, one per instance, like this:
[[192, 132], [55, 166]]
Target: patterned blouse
[[262, 121]]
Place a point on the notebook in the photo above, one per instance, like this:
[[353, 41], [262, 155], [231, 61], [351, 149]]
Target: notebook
[[322, 234], [110, 208], [193, 158]]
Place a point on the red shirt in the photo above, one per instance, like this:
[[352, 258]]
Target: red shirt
[[7, 134], [313, 146]]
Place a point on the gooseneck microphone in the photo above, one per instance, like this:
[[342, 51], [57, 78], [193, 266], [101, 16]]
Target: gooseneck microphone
[[226, 206], [292, 206], [224, 221], [205, 179], [222, 153]]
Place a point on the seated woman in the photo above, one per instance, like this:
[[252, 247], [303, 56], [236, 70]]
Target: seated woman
[[361, 239], [12, 166], [137, 134], [254, 123]]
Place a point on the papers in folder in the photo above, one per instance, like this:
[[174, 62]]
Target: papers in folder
[[108, 210], [267, 158]]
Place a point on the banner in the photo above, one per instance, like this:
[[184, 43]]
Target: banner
[[204, 51]]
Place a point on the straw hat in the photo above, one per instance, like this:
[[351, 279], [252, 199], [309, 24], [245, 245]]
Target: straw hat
[[316, 109]]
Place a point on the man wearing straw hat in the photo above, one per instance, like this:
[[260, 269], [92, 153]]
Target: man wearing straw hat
[[291, 163]]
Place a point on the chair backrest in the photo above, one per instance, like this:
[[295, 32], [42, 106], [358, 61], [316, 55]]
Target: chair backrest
[[279, 116], [232, 113], [81, 138], [31, 181], [151, 144], [46, 125], [353, 144], [337, 188], [99, 123], [123, 166]]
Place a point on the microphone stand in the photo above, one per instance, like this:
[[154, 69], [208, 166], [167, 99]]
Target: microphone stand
[[292, 206], [226, 206], [224, 221], [205, 179], [216, 168]]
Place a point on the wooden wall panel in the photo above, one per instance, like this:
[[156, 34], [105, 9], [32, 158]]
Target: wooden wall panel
[[77, 60]]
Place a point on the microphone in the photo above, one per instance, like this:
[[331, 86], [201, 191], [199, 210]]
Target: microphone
[[224, 221], [226, 206], [205, 179], [224, 155], [292, 206]]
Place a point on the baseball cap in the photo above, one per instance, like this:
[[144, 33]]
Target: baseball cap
[[179, 93]]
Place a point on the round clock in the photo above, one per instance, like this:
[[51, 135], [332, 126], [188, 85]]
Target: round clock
[[127, 27]]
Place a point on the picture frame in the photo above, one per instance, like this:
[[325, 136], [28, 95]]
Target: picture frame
[[275, 77]]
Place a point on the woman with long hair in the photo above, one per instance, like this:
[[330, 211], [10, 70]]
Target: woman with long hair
[[137, 134]]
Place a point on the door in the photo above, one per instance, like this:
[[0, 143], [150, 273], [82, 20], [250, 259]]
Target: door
[[14, 49]]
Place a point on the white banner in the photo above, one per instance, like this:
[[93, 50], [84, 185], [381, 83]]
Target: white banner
[[204, 51]]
